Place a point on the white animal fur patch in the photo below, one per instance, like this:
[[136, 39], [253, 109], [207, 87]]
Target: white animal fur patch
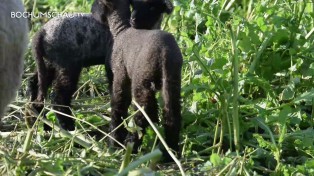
[[2, 50]]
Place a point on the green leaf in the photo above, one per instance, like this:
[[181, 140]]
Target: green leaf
[[283, 115], [261, 123], [215, 159], [306, 96], [244, 42], [287, 93]]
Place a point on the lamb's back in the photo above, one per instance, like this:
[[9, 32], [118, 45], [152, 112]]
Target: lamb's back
[[75, 40], [147, 50]]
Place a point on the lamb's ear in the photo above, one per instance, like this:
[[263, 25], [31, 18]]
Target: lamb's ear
[[131, 2], [107, 4], [98, 11], [168, 7]]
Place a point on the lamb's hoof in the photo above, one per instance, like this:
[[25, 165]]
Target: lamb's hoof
[[47, 128], [67, 126], [166, 158], [98, 135], [132, 138]]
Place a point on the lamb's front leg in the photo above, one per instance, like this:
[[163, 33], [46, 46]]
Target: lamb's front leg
[[38, 88], [120, 101], [64, 87], [143, 91], [38, 92]]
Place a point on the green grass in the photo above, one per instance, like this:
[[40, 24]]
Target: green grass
[[247, 98]]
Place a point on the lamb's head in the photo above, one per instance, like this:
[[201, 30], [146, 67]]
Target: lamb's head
[[115, 10], [147, 14], [98, 11], [109, 6]]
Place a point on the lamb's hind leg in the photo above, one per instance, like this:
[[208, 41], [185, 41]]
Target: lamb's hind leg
[[120, 101], [172, 114], [32, 88], [39, 87], [144, 94], [32, 91], [64, 87]]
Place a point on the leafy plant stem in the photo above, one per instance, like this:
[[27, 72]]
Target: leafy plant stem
[[67, 134], [235, 113], [228, 166], [127, 156], [216, 135], [150, 156], [160, 138], [259, 53]]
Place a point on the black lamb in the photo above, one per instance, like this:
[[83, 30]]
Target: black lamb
[[63, 46], [143, 61]]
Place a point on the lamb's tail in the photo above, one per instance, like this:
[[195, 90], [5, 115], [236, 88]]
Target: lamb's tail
[[38, 53], [171, 89]]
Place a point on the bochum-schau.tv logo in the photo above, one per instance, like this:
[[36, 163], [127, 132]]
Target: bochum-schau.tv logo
[[44, 14]]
